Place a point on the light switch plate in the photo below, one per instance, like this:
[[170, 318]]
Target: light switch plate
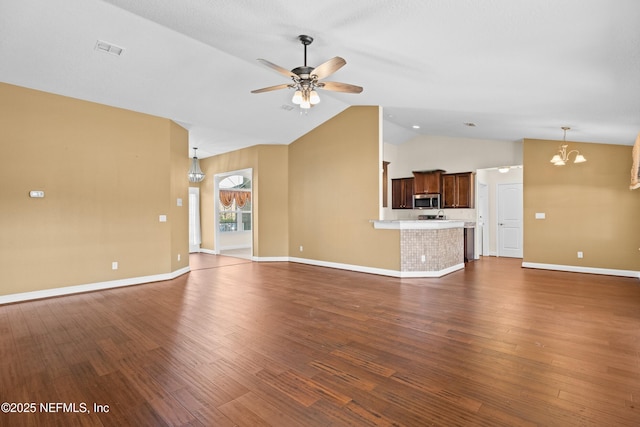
[[179, 203], [540, 215], [36, 193], [163, 218]]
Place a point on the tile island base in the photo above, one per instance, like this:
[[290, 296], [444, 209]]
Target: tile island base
[[428, 248]]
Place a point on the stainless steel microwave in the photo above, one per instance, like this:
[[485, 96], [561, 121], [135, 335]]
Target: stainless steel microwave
[[426, 201]]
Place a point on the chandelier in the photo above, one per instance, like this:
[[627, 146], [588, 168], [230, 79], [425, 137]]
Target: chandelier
[[562, 157], [195, 173]]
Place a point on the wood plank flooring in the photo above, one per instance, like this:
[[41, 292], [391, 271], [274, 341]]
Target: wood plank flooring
[[236, 343]]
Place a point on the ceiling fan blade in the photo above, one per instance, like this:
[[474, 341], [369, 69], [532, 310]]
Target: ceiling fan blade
[[340, 87], [270, 88], [329, 67], [278, 68]]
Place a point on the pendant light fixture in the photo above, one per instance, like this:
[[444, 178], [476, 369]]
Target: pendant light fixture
[[562, 157], [195, 173]]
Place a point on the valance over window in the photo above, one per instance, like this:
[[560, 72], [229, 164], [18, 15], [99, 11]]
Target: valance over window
[[228, 196]]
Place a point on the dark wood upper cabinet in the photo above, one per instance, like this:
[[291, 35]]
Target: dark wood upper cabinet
[[427, 182], [457, 190], [402, 193]]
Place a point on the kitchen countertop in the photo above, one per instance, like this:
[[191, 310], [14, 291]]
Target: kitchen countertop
[[418, 224]]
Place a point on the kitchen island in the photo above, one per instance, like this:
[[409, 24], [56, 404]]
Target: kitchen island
[[428, 248]]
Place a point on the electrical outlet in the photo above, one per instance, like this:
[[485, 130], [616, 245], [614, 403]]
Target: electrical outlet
[[301, 248], [114, 265], [178, 257], [580, 254], [424, 258]]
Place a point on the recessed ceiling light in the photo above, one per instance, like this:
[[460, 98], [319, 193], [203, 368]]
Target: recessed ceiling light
[[107, 47], [470, 124], [416, 127]]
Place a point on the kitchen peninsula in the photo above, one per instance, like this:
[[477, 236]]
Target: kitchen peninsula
[[428, 248]]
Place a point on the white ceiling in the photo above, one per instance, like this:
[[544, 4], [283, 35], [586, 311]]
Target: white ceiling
[[516, 68]]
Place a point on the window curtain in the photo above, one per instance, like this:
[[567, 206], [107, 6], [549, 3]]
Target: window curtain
[[195, 237], [228, 196]]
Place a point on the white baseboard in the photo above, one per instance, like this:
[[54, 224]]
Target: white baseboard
[[233, 247], [270, 259], [209, 251], [578, 269], [69, 290], [379, 271]]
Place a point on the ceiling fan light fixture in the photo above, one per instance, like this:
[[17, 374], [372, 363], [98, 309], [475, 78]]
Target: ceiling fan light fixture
[[306, 79], [313, 97], [297, 97]]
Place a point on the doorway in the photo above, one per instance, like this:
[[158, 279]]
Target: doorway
[[493, 239], [233, 196], [195, 236]]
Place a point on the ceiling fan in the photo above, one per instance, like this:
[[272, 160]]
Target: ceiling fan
[[305, 79]]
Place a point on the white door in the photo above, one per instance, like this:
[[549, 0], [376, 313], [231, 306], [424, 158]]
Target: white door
[[510, 220]]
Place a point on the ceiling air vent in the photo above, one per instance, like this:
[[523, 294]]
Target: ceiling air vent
[[107, 47]]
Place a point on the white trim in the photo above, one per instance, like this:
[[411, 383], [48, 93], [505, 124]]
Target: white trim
[[577, 269], [270, 259], [209, 251], [69, 290], [379, 271], [432, 274]]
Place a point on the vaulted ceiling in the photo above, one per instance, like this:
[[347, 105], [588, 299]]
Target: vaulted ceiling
[[516, 68]]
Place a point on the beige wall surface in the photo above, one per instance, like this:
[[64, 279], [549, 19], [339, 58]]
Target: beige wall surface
[[426, 152], [588, 207], [269, 192], [179, 215], [334, 187], [107, 176]]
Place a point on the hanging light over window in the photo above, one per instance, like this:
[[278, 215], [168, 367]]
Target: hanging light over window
[[562, 157], [195, 173]]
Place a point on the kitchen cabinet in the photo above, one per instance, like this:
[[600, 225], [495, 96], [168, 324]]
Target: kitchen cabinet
[[427, 182], [402, 193], [457, 190]]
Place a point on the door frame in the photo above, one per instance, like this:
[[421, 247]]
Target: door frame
[[483, 212]]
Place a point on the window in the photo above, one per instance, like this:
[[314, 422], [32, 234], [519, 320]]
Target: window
[[234, 204]]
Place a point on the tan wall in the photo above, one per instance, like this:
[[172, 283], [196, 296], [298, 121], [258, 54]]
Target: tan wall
[[588, 207], [270, 198], [179, 215], [334, 188], [107, 174]]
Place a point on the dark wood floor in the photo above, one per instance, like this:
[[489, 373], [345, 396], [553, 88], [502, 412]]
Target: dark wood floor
[[283, 344]]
